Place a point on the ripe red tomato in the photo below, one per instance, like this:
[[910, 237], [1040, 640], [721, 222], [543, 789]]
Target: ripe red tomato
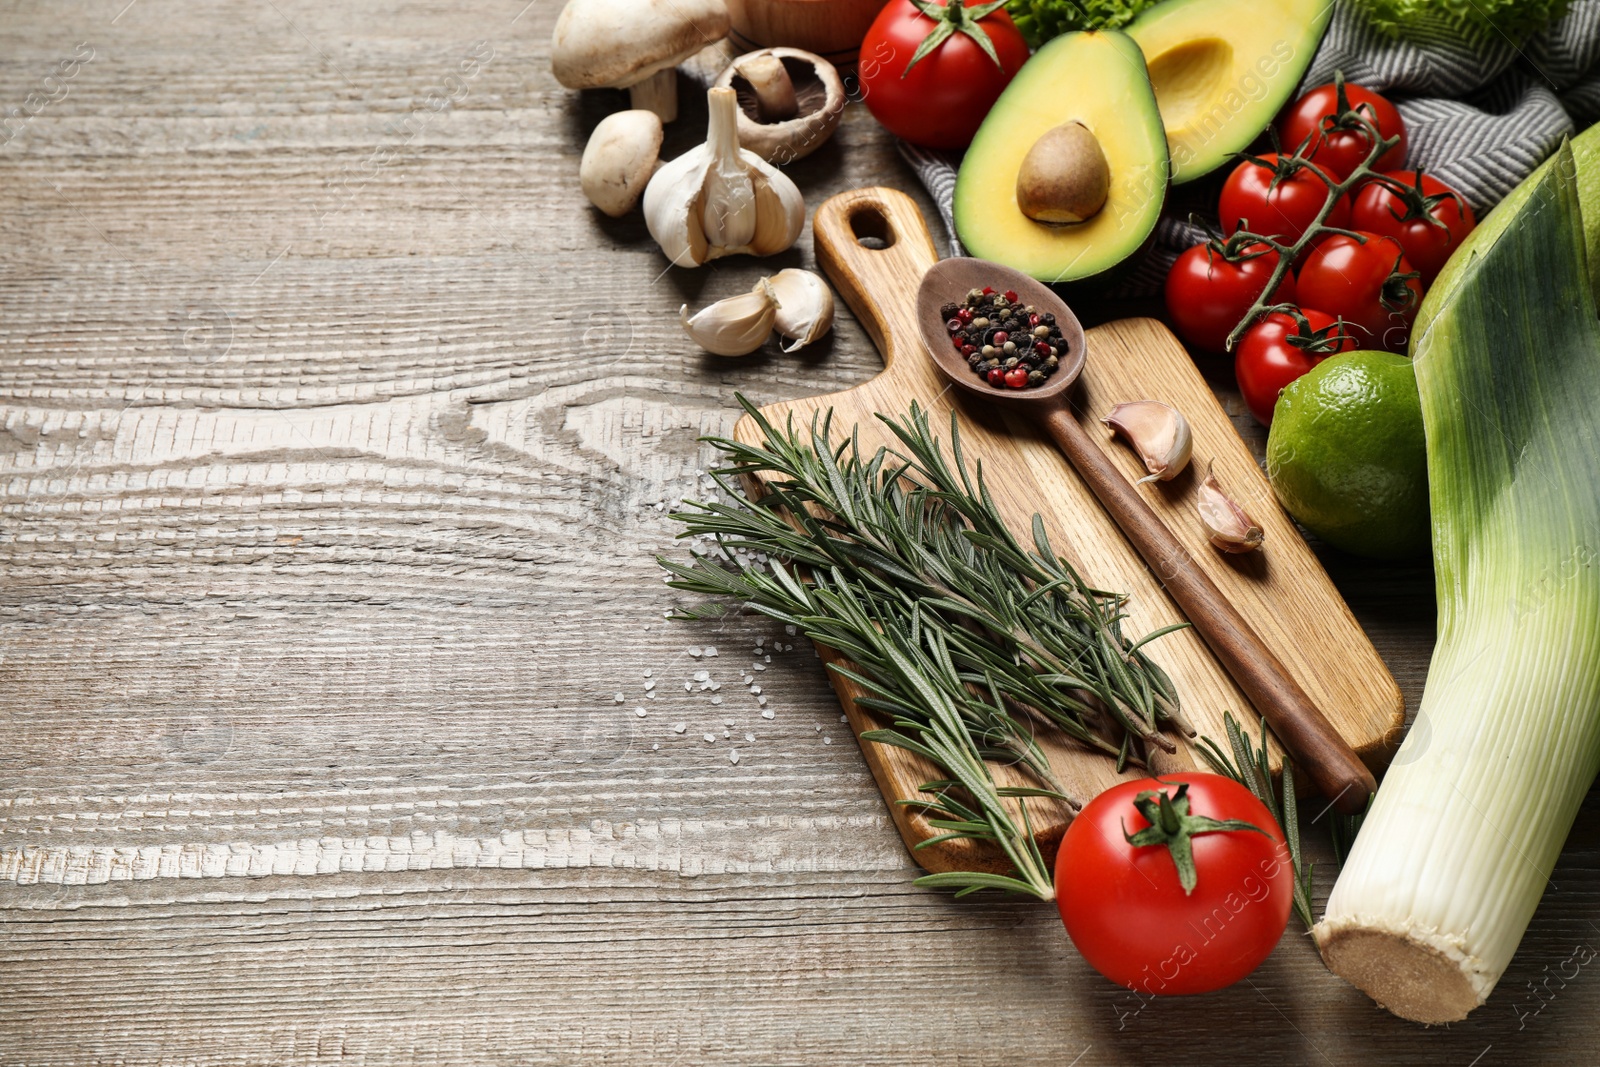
[[1285, 212], [1279, 349], [1368, 282], [1336, 149], [1126, 908], [1429, 219], [942, 99], [1208, 292]]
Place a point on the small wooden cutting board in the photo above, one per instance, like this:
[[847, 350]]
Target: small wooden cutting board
[[1283, 591]]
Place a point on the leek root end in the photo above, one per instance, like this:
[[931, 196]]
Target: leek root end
[[1408, 977]]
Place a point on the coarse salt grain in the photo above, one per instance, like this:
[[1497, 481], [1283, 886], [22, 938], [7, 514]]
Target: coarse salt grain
[[680, 727], [711, 737], [819, 727], [619, 698], [727, 733], [640, 712], [716, 700], [755, 690], [733, 756], [647, 674], [649, 685], [701, 676], [757, 667], [767, 713], [766, 659], [827, 740], [710, 652], [762, 701], [789, 630], [749, 736], [695, 652]]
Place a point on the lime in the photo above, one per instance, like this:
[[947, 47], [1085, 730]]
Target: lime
[[1346, 455]]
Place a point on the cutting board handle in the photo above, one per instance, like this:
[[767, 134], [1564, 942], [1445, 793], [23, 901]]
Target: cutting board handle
[[875, 248]]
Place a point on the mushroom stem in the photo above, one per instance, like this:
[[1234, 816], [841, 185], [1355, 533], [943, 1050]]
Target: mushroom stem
[[658, 93], [770, 81]]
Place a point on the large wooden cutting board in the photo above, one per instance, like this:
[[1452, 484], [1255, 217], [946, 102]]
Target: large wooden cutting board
[[1283, 590]]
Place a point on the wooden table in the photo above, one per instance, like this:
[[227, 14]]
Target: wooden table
[[338, 437]]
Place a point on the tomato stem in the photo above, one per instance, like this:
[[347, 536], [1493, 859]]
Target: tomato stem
[[950, 18], [1172, 825]]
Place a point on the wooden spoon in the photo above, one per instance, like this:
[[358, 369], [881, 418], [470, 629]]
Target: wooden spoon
[[1332, 765]]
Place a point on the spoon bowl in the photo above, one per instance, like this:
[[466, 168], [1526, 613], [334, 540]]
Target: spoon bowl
[[949, 281]]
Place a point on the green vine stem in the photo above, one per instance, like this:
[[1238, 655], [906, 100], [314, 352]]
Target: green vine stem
[[1351, 118]]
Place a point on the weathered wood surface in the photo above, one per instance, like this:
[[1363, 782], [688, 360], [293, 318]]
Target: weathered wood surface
[[323, 552]]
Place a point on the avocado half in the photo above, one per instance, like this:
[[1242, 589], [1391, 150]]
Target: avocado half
[[1221, 70], [1096, 79]]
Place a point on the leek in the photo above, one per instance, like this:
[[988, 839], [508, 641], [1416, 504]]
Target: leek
[[1464, 832]]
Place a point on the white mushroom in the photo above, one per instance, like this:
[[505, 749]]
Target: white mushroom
[[634, 45], [790, 102], [619, 159]]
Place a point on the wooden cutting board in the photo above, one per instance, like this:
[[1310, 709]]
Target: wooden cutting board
[[1282, 590]]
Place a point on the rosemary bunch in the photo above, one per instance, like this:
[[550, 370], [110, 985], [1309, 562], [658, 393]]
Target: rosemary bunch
[[967, 640]]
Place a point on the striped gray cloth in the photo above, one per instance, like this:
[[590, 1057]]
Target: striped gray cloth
[[1481, 112]]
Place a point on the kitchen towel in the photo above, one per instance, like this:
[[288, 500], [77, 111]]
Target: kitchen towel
[[1481, 111]]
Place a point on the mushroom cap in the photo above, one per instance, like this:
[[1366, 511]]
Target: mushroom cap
[[619, 159], [613, 44], [819, 91]]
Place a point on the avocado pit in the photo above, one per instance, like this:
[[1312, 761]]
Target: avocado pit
[[1064, 178]]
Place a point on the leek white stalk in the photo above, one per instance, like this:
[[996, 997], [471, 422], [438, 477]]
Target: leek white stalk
[[1460, 842]]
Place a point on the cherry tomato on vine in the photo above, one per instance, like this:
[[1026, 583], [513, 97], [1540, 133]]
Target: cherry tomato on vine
[[1142, 920], [1425, 215], [1212, 285], [1280, 348], [1277, 197], [1340, 149], [1365, 280], [939, 99]]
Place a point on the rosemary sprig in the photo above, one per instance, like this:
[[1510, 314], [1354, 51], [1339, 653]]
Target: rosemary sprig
[[1249, 767], [968, 641]]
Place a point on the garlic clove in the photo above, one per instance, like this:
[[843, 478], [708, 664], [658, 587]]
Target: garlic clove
[[805, 306], [720, 200], [736, 326], [1230, 528], [1159, 433]]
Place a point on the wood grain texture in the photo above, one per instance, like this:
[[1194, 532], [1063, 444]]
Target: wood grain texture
[[324, 550], [1284, 591]]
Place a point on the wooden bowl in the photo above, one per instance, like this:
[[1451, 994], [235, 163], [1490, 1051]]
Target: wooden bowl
[[833, 29]]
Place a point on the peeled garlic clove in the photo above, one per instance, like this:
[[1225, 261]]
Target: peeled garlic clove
[[1230, 528], [1160, 434], [805, 306], [736, 326]]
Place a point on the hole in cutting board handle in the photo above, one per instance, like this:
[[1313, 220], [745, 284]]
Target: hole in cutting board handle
[[871, 227]]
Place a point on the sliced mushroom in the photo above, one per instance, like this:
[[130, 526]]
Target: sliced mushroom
[[619, 159], [634, 45], [766, 81]]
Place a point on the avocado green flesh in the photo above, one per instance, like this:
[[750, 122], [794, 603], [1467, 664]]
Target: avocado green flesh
[[1221, 70], [1096, 79]]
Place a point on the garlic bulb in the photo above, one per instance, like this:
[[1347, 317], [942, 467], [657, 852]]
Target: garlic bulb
[[720, 200], [736, 326], [1160, 434], [1230, 528], [805, 306]]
